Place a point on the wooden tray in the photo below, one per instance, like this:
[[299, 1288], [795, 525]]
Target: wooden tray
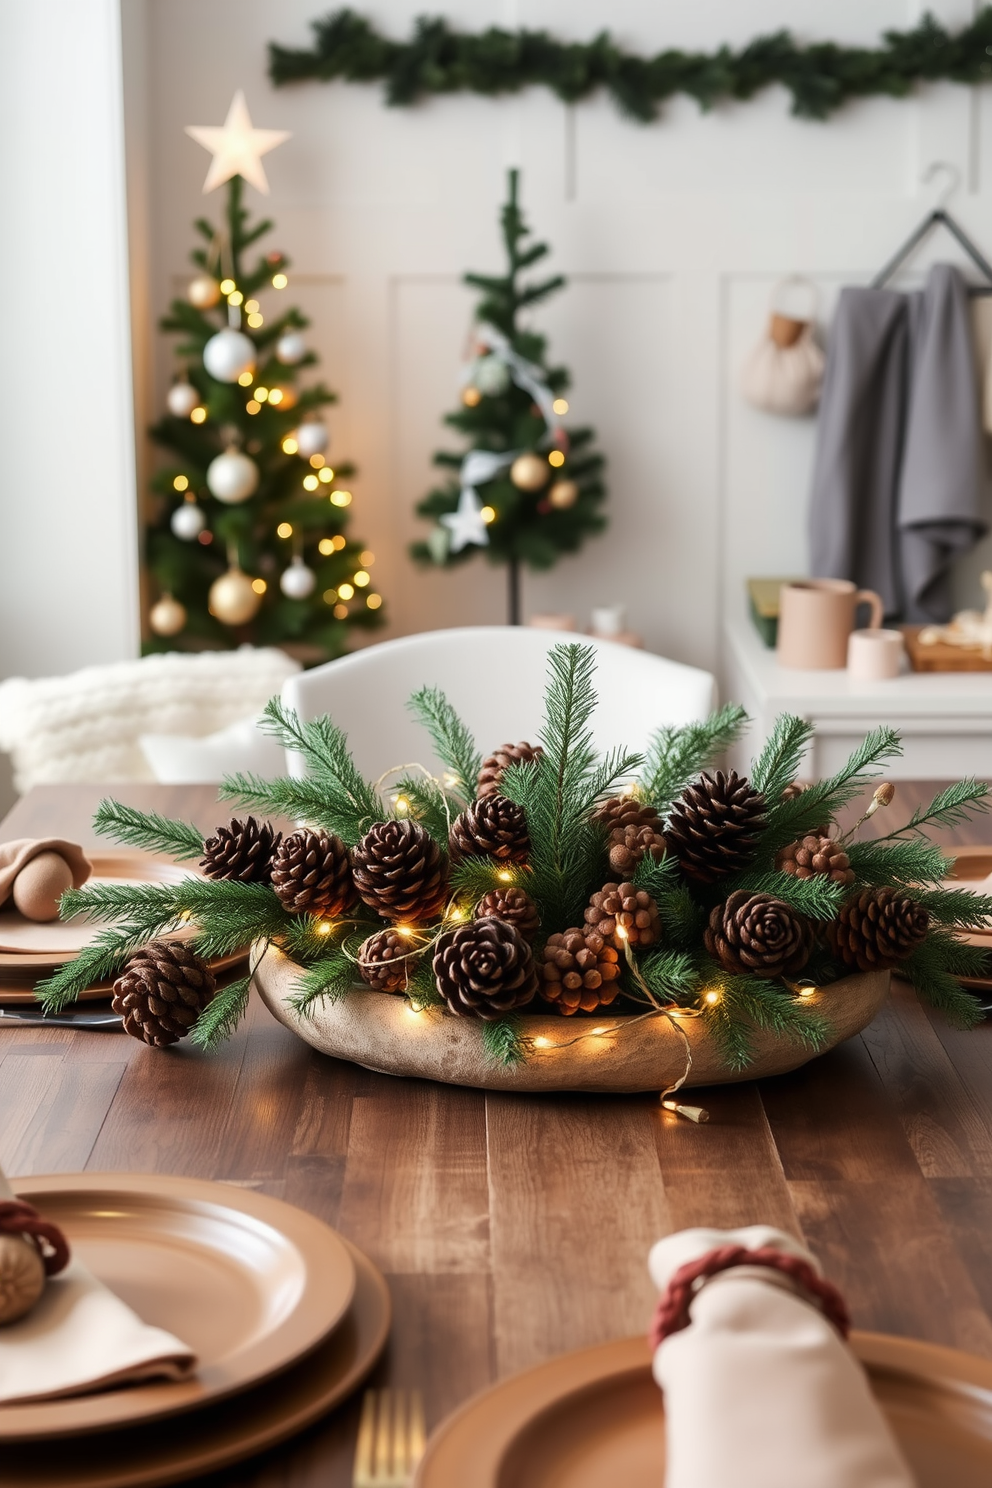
[[248, 1282], [940, 657], [595, 1418], [171, 1452]]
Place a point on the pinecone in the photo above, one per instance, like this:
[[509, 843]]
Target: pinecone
[[311, 874], [485, 969], [492, 827], [242, 851], [626, 846], [507, 754], [617, 908], [816, 855], [714, 824], [162, 991], [400, 871], [512, 905], [878, 928], [385, 961], [625, 811], [758, 933], [580, 970]]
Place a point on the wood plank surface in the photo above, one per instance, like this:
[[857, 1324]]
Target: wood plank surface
[[513, 1228]]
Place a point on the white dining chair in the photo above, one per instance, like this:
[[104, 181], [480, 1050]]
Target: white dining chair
[[494, 677]]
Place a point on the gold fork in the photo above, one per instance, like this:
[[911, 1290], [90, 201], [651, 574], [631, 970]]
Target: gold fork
[[391, 1439]]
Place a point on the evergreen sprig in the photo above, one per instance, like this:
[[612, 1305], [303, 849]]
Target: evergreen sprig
[[911, 862], [749, 1003], [949, 808], [326, 981], [474, 877], [221, 1015], [778, 763], [451, 739], [676, 754], [503, 1041], [428, 804], [352, 805], [817, 898], [934, 968], [673, 976], [148, 830], [820, 802]]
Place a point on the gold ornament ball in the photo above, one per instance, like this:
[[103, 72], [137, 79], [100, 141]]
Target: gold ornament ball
[[167, 617], [529, 472], [22, 1277], [563, 494], [233, 601], [471, 397], [203, 292]]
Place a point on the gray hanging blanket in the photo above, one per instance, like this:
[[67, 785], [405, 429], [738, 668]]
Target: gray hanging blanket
[[899, 477]]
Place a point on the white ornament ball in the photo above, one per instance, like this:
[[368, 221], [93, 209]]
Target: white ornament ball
[[297, 581], [228, 355], [203, 292], [232, 599], [312, 438], [181, 399], [291, 348], [188, 521], [491, 376], [167, 617], [529, 472], [232, 477]]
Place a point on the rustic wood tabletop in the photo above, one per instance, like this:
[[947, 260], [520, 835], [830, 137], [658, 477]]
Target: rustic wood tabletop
[[512, 1228]]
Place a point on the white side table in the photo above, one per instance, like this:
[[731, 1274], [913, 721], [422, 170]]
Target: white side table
[[944, 718]]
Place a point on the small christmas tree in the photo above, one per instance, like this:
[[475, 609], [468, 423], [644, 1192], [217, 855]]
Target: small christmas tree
[[528, 489], [248, 538]]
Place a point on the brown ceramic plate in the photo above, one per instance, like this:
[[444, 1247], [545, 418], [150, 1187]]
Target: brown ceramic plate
[[594, 1418], [248, 1282], [17, 992], [172, 1451]]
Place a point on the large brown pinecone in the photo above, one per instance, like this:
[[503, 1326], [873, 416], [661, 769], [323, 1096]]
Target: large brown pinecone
[[242, 851], [162, 991], [759, 934], [619, 912], [507, 754], [878, 928], [626, 846], [311, 874], [714, 825], [513, 905], [485, 969], [580, 970], [386, 960], [815, 855], [492, 827], [400, 871]]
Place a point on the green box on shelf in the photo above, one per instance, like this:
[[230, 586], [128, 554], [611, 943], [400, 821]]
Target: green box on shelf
[[763, 601]]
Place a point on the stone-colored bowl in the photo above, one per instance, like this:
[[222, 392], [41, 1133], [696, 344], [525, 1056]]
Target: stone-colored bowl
[[382, 1033]]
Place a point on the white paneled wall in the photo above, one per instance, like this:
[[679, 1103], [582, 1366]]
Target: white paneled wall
[[672, 236]]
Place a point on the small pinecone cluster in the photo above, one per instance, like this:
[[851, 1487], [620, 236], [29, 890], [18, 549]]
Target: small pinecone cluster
[[580, 971], [384, 961], [633, 830], [162, 991], [713, 827], [619, 912], [311, 874], [492, 827], [878, 928], [400, 872], [243, 851], [507, 754], [759, 934], [485, 969], [515, 906], [815, 855]]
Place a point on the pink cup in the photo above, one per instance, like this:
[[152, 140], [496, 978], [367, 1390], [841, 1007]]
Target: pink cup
[[874, 655], [816, 617]]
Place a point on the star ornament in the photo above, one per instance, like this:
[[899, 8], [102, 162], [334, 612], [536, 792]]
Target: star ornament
[[466, 525], [237, 148]]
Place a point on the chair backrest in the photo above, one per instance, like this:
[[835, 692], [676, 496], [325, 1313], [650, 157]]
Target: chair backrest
[[494, 677]]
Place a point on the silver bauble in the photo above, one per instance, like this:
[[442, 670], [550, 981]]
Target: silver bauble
[[203, 292], [232, 477], [313, 437], [167, 617], [491, 376], [181, 399], [291, 348], [188, 521], [297, 581], [228, 355]]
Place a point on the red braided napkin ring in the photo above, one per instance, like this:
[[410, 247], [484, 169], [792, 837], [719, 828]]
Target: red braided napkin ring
[[18, 1218], [672, 1312]]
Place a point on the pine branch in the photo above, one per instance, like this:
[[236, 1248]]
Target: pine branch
[[821, 801], [949, 808], [452, 740], [301, 800], [327, 981], [352, 804], [673, 976], [677, 754], [780, 760], [100, 961], [910, 862], [933, 969], [957, 907], [147, 830], [817, 898], [474, 877], [502, 1041], [221, 1015], [430, 806], [748, 1003]]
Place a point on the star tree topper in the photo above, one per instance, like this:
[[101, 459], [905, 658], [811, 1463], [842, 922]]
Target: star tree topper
[[237, 148]]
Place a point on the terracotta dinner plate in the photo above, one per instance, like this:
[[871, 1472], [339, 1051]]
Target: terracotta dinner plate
[[249, 1283], [148, 1456], [594, 1419], [19, 992]]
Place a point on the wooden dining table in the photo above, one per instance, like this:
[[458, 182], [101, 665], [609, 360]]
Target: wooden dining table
[[514, 1227]]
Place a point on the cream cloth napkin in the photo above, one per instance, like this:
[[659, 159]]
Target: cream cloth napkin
[[81, 1338], [760, 1389], [14, 855]]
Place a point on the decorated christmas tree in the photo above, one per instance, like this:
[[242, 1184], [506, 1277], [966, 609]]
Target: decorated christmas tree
[[528, 489], [247, 541]]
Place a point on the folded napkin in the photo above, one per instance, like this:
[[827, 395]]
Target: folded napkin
[[761, 1391], [15, 855], [81, 1338]]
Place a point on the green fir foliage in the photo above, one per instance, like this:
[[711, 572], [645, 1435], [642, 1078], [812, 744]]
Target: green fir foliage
[[350, 803], [949, 807], [148, 831], [933, 969], [503, 1041], [451, 738], [677, 754], [221, 1015], [749, 1003]]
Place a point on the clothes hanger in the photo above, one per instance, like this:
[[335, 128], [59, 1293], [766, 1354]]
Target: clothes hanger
[[939, 217]]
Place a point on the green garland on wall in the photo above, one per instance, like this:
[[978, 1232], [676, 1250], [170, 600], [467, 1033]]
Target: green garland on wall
[[821, 77]]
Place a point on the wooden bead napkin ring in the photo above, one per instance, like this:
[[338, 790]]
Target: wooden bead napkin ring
[[31, 1250], [672, 1312]]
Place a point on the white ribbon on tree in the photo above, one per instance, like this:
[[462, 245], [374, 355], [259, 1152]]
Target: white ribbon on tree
[[526, 375], [465, 525]]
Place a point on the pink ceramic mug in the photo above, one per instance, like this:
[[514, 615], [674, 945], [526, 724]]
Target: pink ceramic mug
[[816, 617]]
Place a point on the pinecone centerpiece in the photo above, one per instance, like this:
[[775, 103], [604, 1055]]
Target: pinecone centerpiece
[[485, 969], [580, 970], [619, 912], [815, 855], [878, 928], [242, 851], [513, 905], [714, 826], [758, 934], [400, 872], [385, 961], [162, 991], [492, 827], [311, 874], [633, 829], [493, 766]]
